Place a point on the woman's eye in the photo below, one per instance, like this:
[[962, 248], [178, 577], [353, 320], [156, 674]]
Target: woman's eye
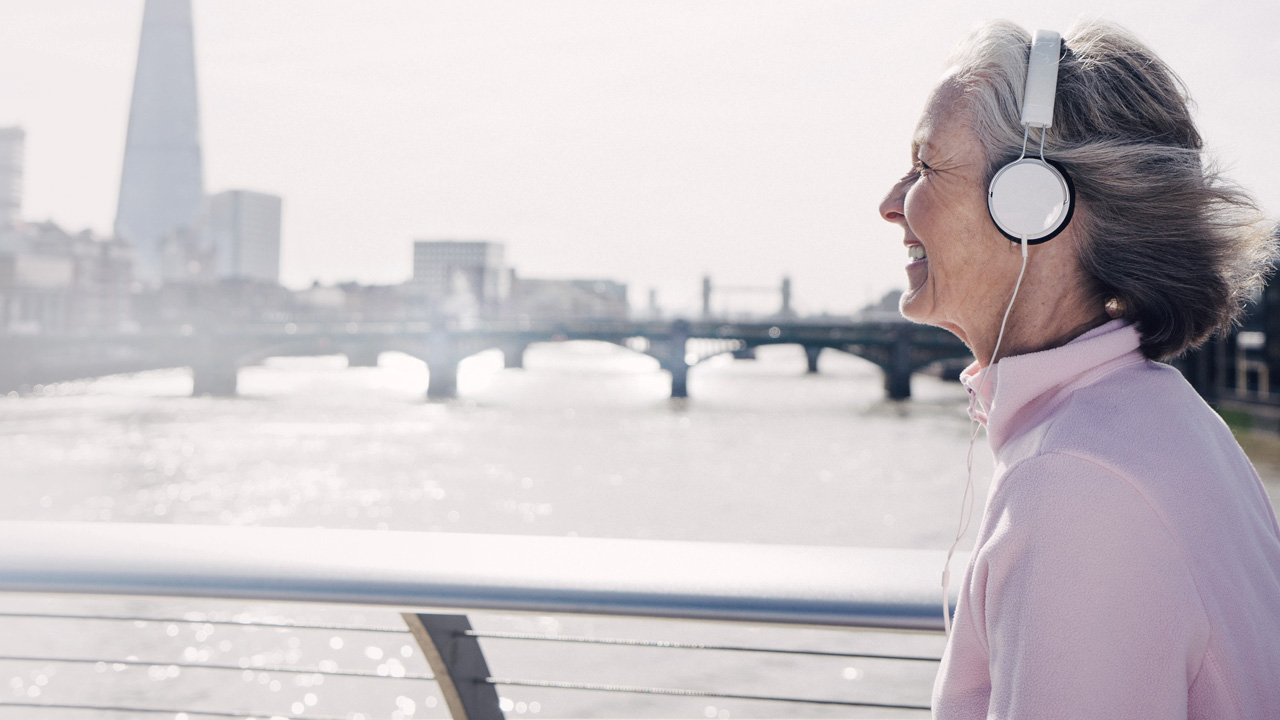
[[920, 167]]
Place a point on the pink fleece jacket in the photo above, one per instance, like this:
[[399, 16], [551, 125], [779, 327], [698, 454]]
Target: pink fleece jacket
[[1128, 561]]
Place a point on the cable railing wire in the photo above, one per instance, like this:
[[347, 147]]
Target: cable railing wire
[[285, 669], [479, 634], [161, 711], [666, 644], [224, 623], [678, 692], [518, 682]]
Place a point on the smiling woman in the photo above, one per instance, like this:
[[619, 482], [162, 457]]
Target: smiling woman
[[1128, 563], [956, 251]]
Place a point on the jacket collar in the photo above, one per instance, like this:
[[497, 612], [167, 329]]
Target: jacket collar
[[1016, 383]]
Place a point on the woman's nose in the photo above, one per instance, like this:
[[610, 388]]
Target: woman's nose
[[891, 206]]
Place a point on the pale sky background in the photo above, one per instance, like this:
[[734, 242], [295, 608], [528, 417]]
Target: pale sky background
[[648, 142]]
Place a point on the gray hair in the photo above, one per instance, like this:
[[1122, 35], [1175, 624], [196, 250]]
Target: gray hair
[[1166, 238]]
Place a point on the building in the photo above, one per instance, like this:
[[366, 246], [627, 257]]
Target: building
[[162, 178], [373, 303], [52, 281], [1239, 369], [243, 229], [186, 258], [237, 305], [540, 299], [459, 278], [11, 151]]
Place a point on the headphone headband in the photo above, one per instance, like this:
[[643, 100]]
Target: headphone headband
[[1031, 199], [1042, 79]]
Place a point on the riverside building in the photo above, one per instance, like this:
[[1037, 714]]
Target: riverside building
[[459, 277]]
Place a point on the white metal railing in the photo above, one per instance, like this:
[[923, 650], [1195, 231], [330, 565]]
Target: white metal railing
[[434, 579]]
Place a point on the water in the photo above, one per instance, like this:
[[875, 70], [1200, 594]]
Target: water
[[582, 442]]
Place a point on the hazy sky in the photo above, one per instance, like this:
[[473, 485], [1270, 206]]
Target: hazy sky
[[649, 142]]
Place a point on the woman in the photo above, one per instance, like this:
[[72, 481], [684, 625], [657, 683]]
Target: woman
[[1128, 561]]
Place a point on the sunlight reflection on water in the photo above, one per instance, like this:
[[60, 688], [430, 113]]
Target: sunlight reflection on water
[[582, 441]]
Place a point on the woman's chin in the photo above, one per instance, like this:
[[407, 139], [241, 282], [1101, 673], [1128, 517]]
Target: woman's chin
[[913, 306]]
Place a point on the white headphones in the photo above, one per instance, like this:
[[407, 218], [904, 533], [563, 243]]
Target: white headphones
[[1032, 199]]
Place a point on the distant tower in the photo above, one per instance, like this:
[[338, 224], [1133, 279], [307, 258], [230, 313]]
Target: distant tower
[[11, 142], [162, 182]]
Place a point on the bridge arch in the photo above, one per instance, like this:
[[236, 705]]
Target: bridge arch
[[898, 357]]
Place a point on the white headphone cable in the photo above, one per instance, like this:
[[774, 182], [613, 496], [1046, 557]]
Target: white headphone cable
[[968, 499]]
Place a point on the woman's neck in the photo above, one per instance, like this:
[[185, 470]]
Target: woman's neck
[[1044, 316]]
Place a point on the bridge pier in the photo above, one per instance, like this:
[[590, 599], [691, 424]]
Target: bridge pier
[[442, 367], [680, 381], [897, 384], [213, 367], [442, 380], [811, 353], [362, 357], [671, 357], [897, 376], [214, 378], [513, 355]]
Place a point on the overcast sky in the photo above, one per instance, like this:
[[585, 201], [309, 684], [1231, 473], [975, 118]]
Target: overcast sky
[[648, 142]]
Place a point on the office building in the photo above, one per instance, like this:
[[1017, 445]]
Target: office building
[[53, 281], [449, 272], [243, 228], [11, 151], [543, 299]]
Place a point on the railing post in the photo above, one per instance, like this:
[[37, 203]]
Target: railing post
[[458, 665]]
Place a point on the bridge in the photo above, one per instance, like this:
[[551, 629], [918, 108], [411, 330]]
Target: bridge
[[215, 354]]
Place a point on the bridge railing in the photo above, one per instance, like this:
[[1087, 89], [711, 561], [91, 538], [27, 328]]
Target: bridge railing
[[59, 641]]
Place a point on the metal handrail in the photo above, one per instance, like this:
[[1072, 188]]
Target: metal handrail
[[796, 585], [793, 585]]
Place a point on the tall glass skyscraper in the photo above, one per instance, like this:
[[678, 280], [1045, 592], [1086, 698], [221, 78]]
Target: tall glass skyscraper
[[162, 181]]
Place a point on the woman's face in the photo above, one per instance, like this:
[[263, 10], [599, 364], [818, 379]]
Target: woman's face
[[957, 260]]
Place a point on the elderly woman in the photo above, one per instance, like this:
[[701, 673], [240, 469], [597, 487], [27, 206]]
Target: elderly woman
[[1128, 561]]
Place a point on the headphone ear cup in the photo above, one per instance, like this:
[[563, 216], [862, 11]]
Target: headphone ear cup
[[1032, 199]]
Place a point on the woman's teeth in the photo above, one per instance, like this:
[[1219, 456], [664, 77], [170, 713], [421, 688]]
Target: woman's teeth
[[915, 252]]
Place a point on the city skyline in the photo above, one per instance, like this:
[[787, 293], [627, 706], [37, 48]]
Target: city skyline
[[650, 143]]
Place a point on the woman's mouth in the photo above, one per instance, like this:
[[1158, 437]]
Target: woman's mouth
[[917, 265]]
